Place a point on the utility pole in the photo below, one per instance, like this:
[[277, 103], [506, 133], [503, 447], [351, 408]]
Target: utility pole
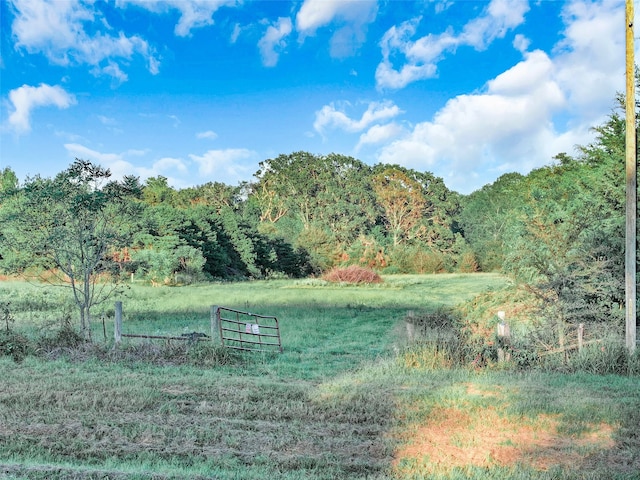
[[631, 182]]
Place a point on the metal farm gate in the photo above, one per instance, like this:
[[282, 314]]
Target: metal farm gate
[[246, 331]]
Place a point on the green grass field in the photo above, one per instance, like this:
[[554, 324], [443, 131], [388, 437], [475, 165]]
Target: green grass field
[[341, 402]]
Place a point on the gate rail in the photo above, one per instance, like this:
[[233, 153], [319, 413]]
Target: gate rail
[[246, 331]]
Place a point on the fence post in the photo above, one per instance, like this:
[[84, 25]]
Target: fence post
[[215, 324], [580, 336], [504, 338], [117, 331], [411, 331]]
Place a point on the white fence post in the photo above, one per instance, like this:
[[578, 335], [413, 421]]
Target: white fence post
[[117, 331], [504, 337]]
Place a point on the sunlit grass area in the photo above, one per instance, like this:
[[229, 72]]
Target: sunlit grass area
[[342, 401]]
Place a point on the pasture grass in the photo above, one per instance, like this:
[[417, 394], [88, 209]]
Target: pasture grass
[[341, 402]]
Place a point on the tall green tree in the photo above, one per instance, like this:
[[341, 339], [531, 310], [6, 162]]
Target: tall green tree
[[331, 191], [68, 226], [556, 250], [164, 229], [157, 191], [8, 182], [487, 215], [304, 197], [418, 212]]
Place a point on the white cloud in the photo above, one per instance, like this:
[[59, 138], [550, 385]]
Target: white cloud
[[422, 56], [544, 105], [354, 17], [273, 41], [235, 34], [109, 121], [330, 116], [26, 98], [59, 30], [525, 77], [590, 59], [210, 134], [521, 43], [136, 152], [153, 65], [113, 70], [110, 124], [167, 164], [193, 13], [318, 13], [511, 123], [227, 166], [176, 120], [500, 17], [378, 134]]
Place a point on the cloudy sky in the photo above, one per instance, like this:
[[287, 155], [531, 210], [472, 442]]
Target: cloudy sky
[[203, 90]]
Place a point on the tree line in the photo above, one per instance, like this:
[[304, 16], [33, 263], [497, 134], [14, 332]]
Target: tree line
[[559, 229], [302, 215]]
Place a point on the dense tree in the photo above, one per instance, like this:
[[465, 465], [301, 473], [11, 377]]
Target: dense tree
[[331, 191], [560, 230], [402, 200], [320, 203], [8, 182], [419, 215], [157, 191], [486, 216], [163, 233], [211, 194], [68, 226], [556, 248]]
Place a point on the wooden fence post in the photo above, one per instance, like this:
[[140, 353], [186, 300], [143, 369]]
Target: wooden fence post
[[117, 331], [215, 325], [580, 336]]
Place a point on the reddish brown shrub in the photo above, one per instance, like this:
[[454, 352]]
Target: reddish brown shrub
[[352, 274]]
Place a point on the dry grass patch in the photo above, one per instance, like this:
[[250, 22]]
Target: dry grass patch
[[456, 437]]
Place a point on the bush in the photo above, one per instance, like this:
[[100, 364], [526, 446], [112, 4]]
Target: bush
[[352, 274], [65, 338], [415, 259], [14, 345], [467, 263]]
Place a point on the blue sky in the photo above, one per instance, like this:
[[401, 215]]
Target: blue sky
[[203, 90]]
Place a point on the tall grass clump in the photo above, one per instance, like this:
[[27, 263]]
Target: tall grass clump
[[207, 354], [434, 342], [608, 357]]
